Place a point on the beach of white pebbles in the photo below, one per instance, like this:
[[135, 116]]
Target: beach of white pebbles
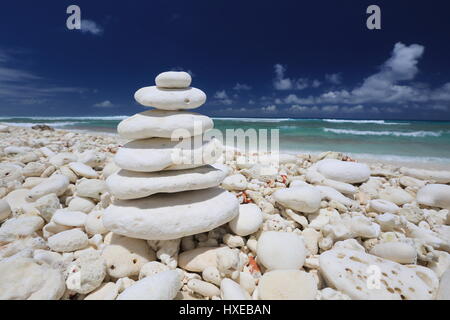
[[106, 217]]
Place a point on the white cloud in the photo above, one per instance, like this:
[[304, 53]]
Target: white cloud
[[233, 111], [384, 86], [312, 109], [89, 26], [15, 75], [297, 108], [303, 109], [104, 104], [269, 109], [330, 108], [392, 84], [292, 98], [352, 109], [24, 87], [392, 110], [282, 83], [222, 97], [440, 107], [316, 84], [334, 78], [442, 93], [241, 86]]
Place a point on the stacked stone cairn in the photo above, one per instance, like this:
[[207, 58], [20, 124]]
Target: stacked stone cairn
[[168, 185]]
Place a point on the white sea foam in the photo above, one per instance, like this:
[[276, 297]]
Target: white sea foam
[[364, 121], [373, 156], [257, 119], [66, 118], [51, 124], [419, 134]]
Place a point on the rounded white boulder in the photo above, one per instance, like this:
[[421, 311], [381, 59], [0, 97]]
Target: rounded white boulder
[[281, 250], [396, 195], [383, 206], [91, 188], [304, 199], [161, 286], [347, 271], [21, 226], [5, 210], [173, 79], [395, 251], [109, 169], [94, 223], [168, 216], [57, 184], [67, 241], [230, 290], [92, 158], [24, 278], [19, 202], [330, 193], [235, 182], [287, 285], [203, 288], [422, 174], [248, 221], [107, 291], [151, 268], [199, 259], [69, 218], [83, 170], [63, 158], [124, 256], [47, 205], [133, 185], [10, 172], [16, 150], [435, 195], [170, 99], [343, 171], [81, 204], [87, 272], [444, 286]]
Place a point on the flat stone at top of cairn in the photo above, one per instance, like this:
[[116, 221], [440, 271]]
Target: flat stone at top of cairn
[[159, 194], [173, 79]]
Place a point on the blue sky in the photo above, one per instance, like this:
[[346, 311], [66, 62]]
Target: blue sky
[[252, 58]]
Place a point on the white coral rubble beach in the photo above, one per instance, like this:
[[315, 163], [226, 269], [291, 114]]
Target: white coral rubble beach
[[99, 217]]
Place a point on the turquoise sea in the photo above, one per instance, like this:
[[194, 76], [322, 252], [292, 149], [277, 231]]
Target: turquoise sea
[[424, 141]]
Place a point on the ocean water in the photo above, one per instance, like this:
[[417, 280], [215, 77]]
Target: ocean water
[[424, 141]]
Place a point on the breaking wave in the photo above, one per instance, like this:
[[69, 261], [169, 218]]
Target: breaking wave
[[419, 134], [51, 124], [364, 121], [66, 118]]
